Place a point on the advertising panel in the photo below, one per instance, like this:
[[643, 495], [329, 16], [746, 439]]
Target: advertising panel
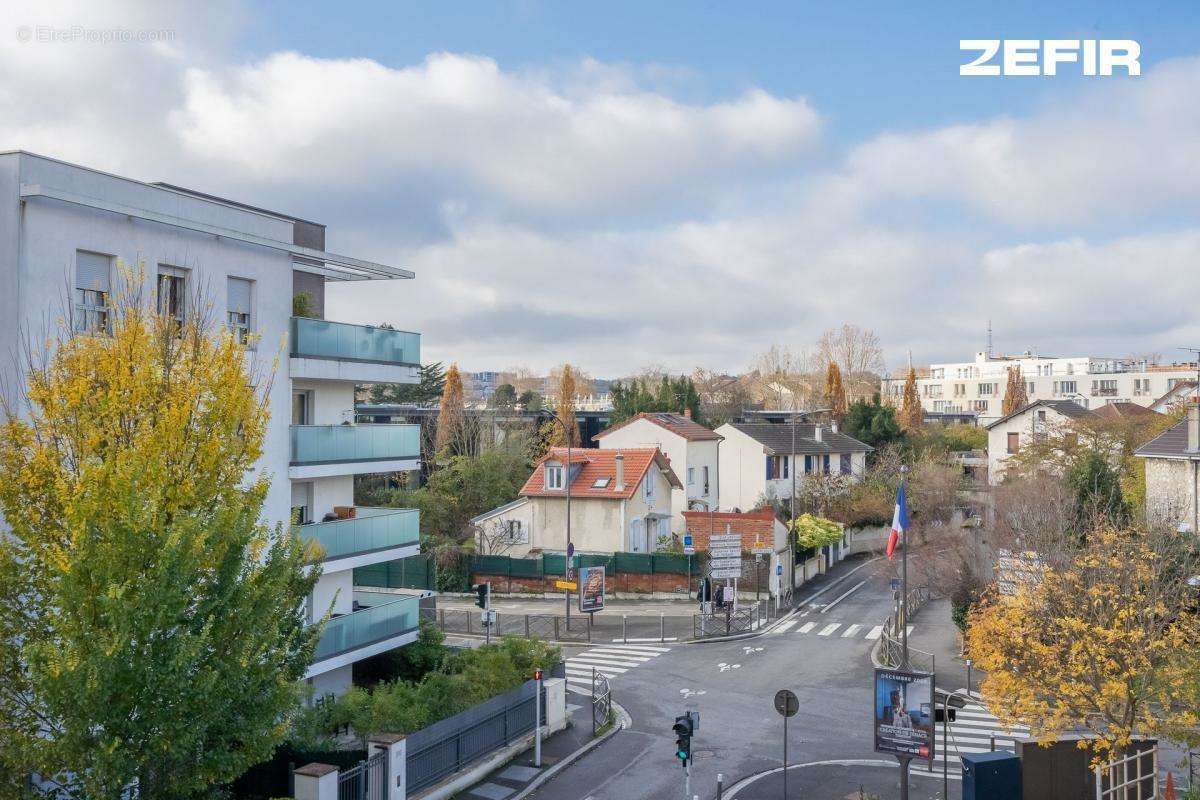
[[904, 713], [591, 589]]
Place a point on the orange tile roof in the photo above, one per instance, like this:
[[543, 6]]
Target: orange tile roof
[[675, 423], [599, 464]]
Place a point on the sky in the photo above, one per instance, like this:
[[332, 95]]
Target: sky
[[673, 184]]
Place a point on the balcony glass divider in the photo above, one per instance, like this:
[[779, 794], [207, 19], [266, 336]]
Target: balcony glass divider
[[388, 615], [329, 444], [321, 338], [370, 529]]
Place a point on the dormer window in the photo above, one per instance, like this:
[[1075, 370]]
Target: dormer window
[[554, 476], [601, 483]]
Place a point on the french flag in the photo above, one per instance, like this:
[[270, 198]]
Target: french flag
[[899, 522]]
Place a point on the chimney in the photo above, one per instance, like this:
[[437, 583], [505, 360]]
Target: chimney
[[833, 426], [687, 412], [620, 459], [1193, 428], [818, 435]]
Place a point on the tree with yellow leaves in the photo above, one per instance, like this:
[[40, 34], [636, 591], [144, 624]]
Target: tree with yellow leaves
[[451, 422], [1103, 636], [152, 631], [1015, 397], [835, 392], [912, 416], [564, 409]]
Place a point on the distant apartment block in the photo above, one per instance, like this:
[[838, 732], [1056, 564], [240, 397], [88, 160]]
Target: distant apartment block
[[978, 386], [64, 228]]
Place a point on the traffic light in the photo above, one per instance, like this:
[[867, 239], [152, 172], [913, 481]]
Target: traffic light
[[945, 714], [683, 738], [482, 590]]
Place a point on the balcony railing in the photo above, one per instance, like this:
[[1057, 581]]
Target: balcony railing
[[320, 338], [331, 444], [369, 530], [379, 616]]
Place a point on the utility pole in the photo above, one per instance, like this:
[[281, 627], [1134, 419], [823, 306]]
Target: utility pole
[[905, 665]]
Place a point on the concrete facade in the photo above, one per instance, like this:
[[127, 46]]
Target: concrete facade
[[978, 386], [58, 220]]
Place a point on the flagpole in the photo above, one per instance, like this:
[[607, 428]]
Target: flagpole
[[904, 574]]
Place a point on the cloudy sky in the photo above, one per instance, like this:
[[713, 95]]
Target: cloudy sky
[[677, 184]]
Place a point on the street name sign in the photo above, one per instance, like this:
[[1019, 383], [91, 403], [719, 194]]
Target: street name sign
[[726, 552], [571, 585], [725, 573]]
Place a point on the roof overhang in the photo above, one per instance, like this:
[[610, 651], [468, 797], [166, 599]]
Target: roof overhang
[[319, 262]]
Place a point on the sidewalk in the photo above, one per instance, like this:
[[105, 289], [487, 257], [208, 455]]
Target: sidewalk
[[510, 779], [935, 632], [841, 781]]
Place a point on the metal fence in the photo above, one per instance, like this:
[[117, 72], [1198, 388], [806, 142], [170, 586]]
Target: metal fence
[[365, 781], [414, 572], [449, 745], [549, 564], [744, 619], [891, 641], [543, 626]]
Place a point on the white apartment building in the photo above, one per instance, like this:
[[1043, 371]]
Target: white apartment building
[[64, 228], [978, 386], [691, 449]]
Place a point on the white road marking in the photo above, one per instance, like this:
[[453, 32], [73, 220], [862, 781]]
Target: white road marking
[[784, 628], [830, 628], [842, 597], [651, 639], [853, 629], [875, 632]]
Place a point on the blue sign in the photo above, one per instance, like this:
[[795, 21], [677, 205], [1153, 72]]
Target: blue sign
[[570, 549], [687, 540], [779, 569]]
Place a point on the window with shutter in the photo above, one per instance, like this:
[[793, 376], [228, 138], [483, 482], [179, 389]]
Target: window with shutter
[[93, 276], [238, 294]]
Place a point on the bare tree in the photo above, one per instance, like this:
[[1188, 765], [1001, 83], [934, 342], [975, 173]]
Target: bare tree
[[523, 379], [782, 378], [857, 353], [722, 397]]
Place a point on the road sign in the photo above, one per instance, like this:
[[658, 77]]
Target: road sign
[[761, 547], [568, 585], [570, 549], [688, 546], [570, 574], [725, 539], [726, 563], [895, 583], [725, 573], [726, 552], [786, 703], [779, 569], [488, 618]]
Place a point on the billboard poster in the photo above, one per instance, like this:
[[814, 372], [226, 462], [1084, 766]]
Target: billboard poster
[[904, 713], [591, 589]]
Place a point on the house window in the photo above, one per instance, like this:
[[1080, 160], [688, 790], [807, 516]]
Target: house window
[[1041, 415], [648, 486], [1064, 387], [985, 390], [92, 289], [777, 467], [601, 483], [554, 476], [846, 468], [1030, 388], [1141, 386], [1014, 442], [514, 532], [808, 465], [979, 405], [172, 297], [825, 464], [238, 307], [704, 475], [691, 473], [1105, 388]]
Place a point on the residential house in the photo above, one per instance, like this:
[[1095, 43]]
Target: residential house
[[978, 386], [64, 227], [1180, 393], [1173, 473], [1036, 420], [620, 502], [691, 448], [763, 460]]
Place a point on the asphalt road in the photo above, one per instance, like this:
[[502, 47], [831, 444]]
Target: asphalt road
[[732, 685]]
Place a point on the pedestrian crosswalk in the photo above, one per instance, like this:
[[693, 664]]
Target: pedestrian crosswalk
[[830, 630], [972, 732], [611, 661]]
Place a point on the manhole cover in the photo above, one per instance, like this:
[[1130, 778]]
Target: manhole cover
[[703, 753]]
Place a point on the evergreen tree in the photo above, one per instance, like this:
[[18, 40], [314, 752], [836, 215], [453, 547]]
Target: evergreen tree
[[912, 416], [1014, 393], [835, 392], [504, 398], [642, 396], [426, 392], [872, 423]]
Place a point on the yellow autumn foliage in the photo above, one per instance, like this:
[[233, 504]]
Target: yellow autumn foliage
[[1106, 642]]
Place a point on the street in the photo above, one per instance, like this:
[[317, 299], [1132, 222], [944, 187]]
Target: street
[[822, 654]]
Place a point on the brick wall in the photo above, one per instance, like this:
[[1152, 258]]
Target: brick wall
[[749, 524]]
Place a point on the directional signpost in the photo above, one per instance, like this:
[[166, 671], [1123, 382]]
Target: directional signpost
[[726, 550]]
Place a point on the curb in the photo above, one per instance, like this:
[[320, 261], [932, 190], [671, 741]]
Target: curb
[[731, 792], [623, 721]]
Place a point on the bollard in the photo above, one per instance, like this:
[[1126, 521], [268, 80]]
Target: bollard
[[720, 785], [624, 635], [993, 738], [662, 628]]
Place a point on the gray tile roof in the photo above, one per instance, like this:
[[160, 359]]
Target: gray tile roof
[[1068, 408], [777, 437], [1171, 443]]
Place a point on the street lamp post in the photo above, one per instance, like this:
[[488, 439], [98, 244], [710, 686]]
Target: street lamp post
[[567, 481]]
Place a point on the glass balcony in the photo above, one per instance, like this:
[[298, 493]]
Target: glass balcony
[[331, 444], [320, 338], [369, 530], [379, 616]]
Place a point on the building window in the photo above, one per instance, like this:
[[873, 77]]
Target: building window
[[1141, 387], [960, 390], [1030, 389], [704, 475], [691, 473], [845, 459], [825, 464], [1104, 388], [1064, 387], [172, 293], [1014, 442], [980, 406], [238, 292], [985, 390], [554, 476], [808, 465], [648, 486], [93, 275], [777, 467], [1041, 415], [514, 532]]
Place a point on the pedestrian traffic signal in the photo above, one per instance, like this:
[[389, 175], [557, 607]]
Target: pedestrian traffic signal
[[683, 738], [482, 590], [945, 715]]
